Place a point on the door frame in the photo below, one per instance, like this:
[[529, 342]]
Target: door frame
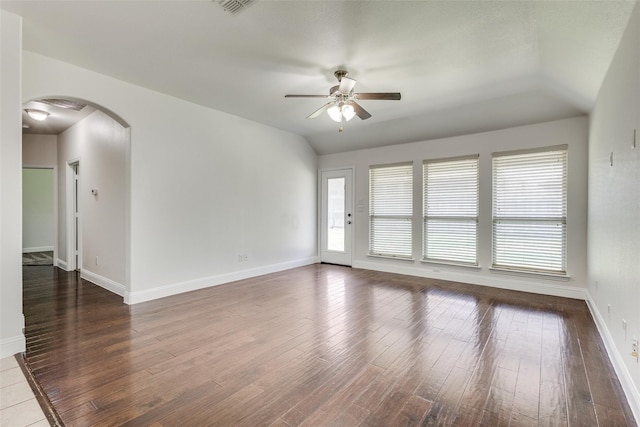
[[73, 262], [56, 209], [349, 207]]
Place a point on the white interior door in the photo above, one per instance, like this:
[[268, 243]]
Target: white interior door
[[336, 216]]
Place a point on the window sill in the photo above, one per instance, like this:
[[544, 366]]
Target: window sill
[[390, 257], [524, 273], [451, 264]]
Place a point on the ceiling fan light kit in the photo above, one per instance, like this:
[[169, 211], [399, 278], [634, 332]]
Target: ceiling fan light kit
[[338, 112], [342, 105]]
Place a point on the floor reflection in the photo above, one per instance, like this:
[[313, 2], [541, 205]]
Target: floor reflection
[[319, 345]]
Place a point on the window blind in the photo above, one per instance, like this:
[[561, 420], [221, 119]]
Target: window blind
[[391, 210], [450, 208], [530, 210]]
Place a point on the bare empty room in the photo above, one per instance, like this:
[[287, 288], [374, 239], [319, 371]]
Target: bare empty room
[[320, 213]]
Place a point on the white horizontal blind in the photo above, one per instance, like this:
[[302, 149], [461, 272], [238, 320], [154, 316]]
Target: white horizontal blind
[[451, 210], [530, 211], [391, 210]]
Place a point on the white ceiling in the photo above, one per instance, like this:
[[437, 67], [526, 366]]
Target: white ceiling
[[461, 66]]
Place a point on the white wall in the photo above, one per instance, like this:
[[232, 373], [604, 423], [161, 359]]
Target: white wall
[[570, 131], [38, 193], [39, 150], [614, 208], [101, 146], [205, 185], [11, 319], [38, 210]]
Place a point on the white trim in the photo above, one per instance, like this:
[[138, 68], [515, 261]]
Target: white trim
[[14, 345], [398, 258], [70, 219], [62, 264], [511, 283], [206, 282], [37, 249], [103, 282], [628, 386]]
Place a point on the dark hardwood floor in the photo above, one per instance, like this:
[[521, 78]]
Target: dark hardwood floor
[[320, 346]]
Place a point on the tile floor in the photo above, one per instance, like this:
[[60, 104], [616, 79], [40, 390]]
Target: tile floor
[[18, 404]]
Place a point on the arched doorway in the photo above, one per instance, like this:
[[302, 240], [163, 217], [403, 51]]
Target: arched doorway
[[91, 154]]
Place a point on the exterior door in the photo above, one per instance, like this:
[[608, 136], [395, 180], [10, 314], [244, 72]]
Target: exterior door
[[336, 217]]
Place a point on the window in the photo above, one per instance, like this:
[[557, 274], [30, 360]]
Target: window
[[391, 210], [450, 226], [530, 210]]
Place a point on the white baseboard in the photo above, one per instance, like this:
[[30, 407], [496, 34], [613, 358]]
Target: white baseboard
[[103, 282], [205, 282], [501, 281], [629, 387], [13, 345], [37, 249], [62, 264]]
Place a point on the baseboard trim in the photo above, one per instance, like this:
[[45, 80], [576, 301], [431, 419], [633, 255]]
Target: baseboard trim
[[103, 282], [37, 249], [13, 345], [628, 386], [206, 282], [62, 264], [501, 281]]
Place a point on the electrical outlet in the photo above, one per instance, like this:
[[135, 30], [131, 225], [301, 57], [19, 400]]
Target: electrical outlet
[[245, 257], [239, 257]]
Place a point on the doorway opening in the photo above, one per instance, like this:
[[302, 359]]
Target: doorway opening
[[39, 215], [93, 205]]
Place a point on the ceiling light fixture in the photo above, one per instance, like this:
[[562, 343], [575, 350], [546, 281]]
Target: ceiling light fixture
[[341, 110], [38, 115]]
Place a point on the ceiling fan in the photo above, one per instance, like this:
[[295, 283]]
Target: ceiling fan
[[342, 104]]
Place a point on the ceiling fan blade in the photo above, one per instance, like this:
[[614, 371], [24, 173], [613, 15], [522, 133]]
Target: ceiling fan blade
[[346, 85], [360, 112], [320, 110], [306, 96], [393, 96]]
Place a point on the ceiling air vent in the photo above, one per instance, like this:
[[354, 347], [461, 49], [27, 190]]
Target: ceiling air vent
[[63, 103], [234, 6]]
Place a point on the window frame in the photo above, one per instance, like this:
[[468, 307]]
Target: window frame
[[401, 218], [545, 247], [465, 162]]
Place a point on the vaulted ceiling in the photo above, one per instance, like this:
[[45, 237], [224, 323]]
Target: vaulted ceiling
[[461, 66]]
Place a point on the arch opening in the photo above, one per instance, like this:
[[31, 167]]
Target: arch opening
[[90, 147]]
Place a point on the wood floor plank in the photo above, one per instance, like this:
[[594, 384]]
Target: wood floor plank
[[320, 345]]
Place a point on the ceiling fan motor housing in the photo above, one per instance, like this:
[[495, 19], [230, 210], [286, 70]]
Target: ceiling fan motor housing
[[340, 74]]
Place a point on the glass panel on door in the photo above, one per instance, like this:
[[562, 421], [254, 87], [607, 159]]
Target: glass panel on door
[[335, 214]]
